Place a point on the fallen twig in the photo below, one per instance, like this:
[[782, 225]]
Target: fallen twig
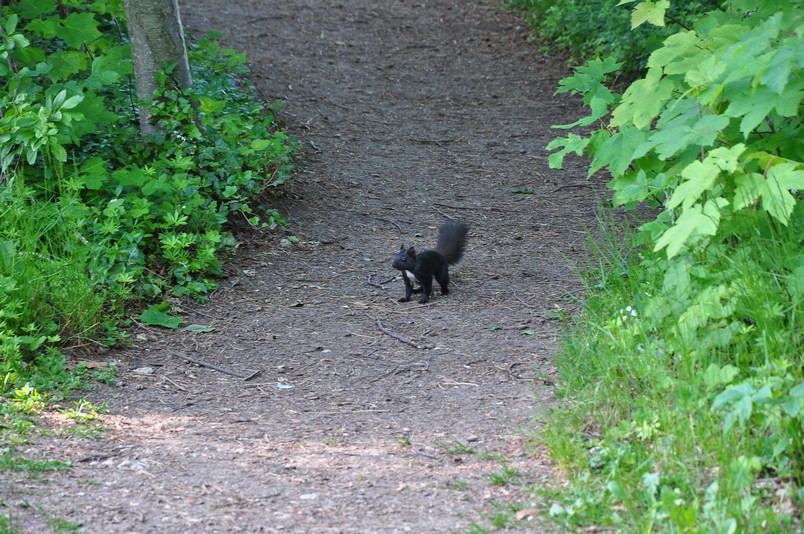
[[569, 186], [400, 337], [205, 364], [373, 284], [513, 290]]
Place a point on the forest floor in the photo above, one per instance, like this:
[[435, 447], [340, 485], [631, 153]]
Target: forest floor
[[409, 114]]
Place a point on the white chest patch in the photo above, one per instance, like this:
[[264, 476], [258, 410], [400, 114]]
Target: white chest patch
[[412, 277]]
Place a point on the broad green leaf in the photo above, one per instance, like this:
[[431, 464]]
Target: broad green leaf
[[776, 197], [780, 66], [741, 471], [700, 177], [154, 316], [676, 281], [45, 27], [93, 173], [572, 143], [678, 48], [260, 144], [694, 222], [589, 76], [732, 394], [630, 187], [753, 107], [79, 28], [726, 158], [65, 64], [748, 187], [71, 102], [599, 108], [705, 72], [678, 135], [715, 375], [643, 100], [617, 152], [211, 106], [103, 72], [652, 12], [31, 9]]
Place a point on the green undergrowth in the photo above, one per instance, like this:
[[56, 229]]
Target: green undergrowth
[[682, 380], [586, 30], [93, 218], [682, 390]]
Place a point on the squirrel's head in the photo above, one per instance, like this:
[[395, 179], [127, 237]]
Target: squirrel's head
[[405, 258]]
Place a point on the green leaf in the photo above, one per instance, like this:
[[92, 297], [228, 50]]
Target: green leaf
[[776, 197], [79, 28], [780, 66], [694, 222], [630, 187], [715, 375], [572, 143], [700, 176], [93, 173], [726, 158], [598, 106], [747, 189], [677, 48], [31, 9], [65, 64], [618, 151], [260, 144], [643, 100], [211, 106], [154, 316], [651, 12], [47, 28], [677, 135], [754, 106], [71, 102], [588, 77]]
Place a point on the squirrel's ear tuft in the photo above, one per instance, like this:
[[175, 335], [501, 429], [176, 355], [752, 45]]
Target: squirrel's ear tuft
[[411, 251], [401, 247]]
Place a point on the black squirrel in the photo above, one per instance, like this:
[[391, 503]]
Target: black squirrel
[[429, 264]]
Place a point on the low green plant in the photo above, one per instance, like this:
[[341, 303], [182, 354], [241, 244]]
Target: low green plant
[[92, 216], [10, 460], [506, 476], [683, 377], [587, 30], [84, 411]]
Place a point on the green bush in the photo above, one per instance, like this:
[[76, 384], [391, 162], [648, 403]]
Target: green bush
[[587, 30], [686, 363], [95, 216]]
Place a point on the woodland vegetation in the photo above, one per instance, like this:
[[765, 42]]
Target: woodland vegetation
[[681, 392], [683, 396]]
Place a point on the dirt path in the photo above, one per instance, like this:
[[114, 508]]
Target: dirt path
[[410, 114]]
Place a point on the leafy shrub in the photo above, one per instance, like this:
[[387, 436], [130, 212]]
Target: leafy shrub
[[687, 360], [93, 215], [587, 30]]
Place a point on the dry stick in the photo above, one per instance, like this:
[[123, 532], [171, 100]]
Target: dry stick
[[513, 290], [205, 364], [400, 337], [373, 284], [569, 186]]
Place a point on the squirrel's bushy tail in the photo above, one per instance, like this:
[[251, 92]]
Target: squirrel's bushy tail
[[452, 241]]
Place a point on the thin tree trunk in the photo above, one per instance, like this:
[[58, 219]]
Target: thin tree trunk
[[157, 39]]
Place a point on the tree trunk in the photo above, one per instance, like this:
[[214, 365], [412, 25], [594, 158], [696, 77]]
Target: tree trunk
[[157, 39]]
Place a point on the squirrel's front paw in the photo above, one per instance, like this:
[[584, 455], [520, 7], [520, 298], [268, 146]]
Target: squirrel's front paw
[[404, 299]]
